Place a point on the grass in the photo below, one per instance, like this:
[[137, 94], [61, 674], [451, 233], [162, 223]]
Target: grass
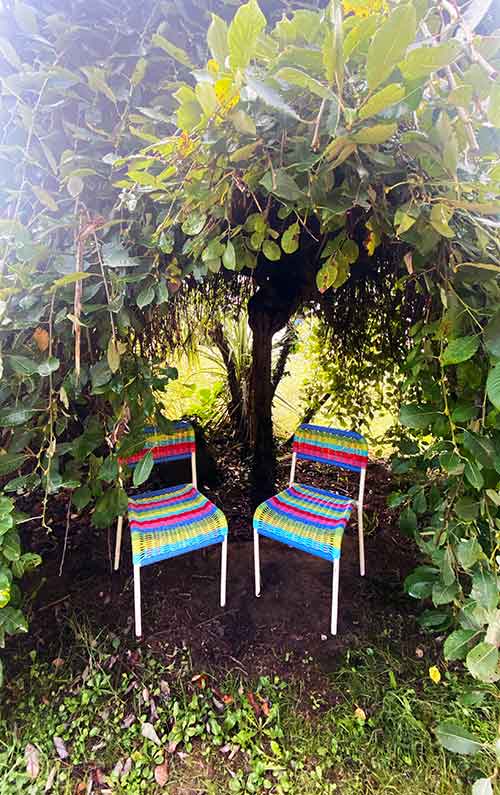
[[177, 730]]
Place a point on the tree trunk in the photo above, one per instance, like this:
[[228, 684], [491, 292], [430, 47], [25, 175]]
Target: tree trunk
[[261, 402]]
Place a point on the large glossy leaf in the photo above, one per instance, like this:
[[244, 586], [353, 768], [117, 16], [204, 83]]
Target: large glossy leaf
[[493, 385], [459, 350], [424, 60], [381, 100], [244, 31], [491, 335], [299, 78], [217, 39], [16, 416], [378, 134], [456, 738], [389, 44], [420, 582], [282, 184], [270, 96], [416, 416], [175, 52], [482, 662], [458, 643], [143, 469]]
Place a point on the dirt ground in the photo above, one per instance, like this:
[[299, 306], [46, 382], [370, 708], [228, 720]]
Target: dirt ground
[[281, 632]]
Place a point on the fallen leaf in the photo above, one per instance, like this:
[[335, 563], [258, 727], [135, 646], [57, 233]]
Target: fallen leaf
[[253, 704], [161, 773], [127, 767], [419, 652], [128, 720], [165, 689], [118, 769], [172, 746], [82, 787], [200, 680], [41, 337], [58, 662], [50, 779], [435, 674], [145, 695], [360, 714], [60, 748], [148, 731], [227, 699], [32, 759]]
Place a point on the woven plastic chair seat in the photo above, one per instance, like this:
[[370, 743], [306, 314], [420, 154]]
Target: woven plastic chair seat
[[306, 518], [172, 521]]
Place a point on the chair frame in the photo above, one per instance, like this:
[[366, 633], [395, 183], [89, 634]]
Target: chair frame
[[137, 568], [358, 504]]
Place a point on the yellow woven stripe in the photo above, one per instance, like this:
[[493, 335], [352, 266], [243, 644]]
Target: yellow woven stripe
[[152, 540], [298, 528], [166, 510]]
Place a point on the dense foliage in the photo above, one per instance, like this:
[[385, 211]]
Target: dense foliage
[[341, 148]]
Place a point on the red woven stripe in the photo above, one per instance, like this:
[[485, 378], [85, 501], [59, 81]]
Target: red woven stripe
[[182, 516], [332, 455], [161, 451], [320, 519]]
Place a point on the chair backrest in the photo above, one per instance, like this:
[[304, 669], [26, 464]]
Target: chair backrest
[[175, 445], [345, 449]]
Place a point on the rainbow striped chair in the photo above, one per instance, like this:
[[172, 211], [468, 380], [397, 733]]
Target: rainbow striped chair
[[174, 520], [312, 519]]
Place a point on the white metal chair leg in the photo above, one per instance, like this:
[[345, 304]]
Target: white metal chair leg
[[256, 561], [137, 601], [223, 573], [361, 537], [361, 541], [118, 543], [335, 595]]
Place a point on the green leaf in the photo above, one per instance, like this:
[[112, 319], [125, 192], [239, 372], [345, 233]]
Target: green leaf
[[81, 497], [290, 238], [282, 185], [11, 545], [382, 99], [424, 60], [112, 504], [157, 40], [271, 97], [333, 46], [474, 475], [217, 39], [377, 134], [460, 350], [420, 582], [408, 521], [70, 278], [143, 469], [491, 336], [22, 365], [243, 34], [299, 78], [96, 79], [467, 508], [194, 223], [145, 297], [229, 257], [451, 463], [362, 30], [206, 96], [414, 416], [482, 662], [271, 250], [244, 124], [6, 523], [457, 644], [493, 385], [456, 738], [13, 417], [443, 594], [49, 366], [440, 218], [389, 44], [9, 462], [485, 588], [469, 552], [100, 374]]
